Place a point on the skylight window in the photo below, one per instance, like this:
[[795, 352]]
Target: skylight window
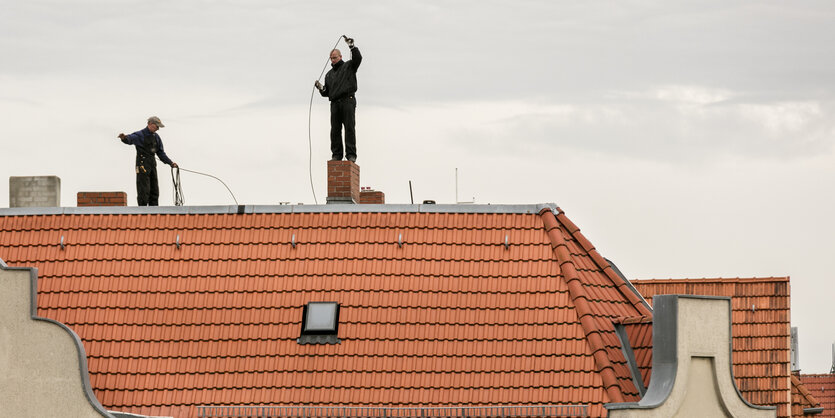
[[320, 323]]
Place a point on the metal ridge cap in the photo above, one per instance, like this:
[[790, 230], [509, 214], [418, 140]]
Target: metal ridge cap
[[252, 209], [119, 210], [416, 208]]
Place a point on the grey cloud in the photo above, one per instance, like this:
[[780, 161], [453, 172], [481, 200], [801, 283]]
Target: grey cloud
[[655, 131]]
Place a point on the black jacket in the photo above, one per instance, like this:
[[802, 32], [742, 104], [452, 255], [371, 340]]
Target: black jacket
[[341, 80], [147, 144]]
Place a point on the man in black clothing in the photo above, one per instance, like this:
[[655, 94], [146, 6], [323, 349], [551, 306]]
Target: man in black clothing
[[340, 86], [148, 145]]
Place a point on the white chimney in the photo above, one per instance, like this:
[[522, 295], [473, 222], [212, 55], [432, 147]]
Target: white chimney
[[34, 191]]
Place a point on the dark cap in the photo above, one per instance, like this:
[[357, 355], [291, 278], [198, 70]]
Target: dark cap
[[155, 120]]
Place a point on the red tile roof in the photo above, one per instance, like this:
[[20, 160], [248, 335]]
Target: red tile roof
[[437, 309], [760, 327], [801, 397], [822, 387]]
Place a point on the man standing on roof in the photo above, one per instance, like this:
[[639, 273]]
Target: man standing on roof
[[340, 86], [148, 144]]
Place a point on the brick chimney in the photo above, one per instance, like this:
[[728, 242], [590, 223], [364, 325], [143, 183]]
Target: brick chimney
[[368, 196], [102, 199], [343, 182], [34, 191]]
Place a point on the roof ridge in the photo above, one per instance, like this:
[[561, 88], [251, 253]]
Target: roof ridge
[[533, 208], [716, 279], [620, 283], [801, 388], [578, 296]]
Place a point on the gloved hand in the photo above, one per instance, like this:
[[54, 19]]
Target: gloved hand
[[350, 42], [318, 85]]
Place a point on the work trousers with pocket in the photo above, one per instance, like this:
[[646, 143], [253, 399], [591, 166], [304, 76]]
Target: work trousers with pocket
[[342, 113], [147, 187]]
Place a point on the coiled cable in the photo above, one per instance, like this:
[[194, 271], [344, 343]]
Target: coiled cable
[[179, 197]]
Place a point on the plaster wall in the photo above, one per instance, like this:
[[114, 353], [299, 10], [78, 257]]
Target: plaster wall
[[692, 375], [40, 363]]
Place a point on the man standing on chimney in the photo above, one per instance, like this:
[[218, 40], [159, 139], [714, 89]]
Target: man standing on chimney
[[340, 86], [148, 145]]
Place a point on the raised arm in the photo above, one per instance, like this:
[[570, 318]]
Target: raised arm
[[356, 57]]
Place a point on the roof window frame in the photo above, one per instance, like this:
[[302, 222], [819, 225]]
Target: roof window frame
[[324, 334]]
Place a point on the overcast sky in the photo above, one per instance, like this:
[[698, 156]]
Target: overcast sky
[[686, 139]]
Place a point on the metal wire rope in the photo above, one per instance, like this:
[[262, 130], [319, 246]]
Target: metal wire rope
[[179, 197]]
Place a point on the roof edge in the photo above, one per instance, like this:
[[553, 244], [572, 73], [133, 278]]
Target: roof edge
[[630, 293], [253, 209]]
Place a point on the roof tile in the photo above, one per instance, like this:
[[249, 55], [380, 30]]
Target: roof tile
[[822, 388], [760, 329], [453, 317]]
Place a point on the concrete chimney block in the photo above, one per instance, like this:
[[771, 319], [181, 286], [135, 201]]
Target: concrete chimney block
[[34, 191]]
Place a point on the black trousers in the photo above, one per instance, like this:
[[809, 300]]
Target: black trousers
[[342, 113], [147, 187]]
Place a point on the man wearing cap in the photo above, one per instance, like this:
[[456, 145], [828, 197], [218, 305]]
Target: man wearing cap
[[147, 143], [340, 86]]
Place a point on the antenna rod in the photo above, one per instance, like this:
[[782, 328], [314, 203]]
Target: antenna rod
[[410, 192], [832, 370], [456, 185]]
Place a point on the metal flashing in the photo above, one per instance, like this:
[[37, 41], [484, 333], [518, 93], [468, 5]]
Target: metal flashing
[[664, 354], [664, 358], [81, 354], [117, 414], [250, 209], [340, 200], [626, 347], [629, 284], [812, 411], [318, 339]]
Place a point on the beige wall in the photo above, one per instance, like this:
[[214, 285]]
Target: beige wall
[[693, 378], [40, 361]]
